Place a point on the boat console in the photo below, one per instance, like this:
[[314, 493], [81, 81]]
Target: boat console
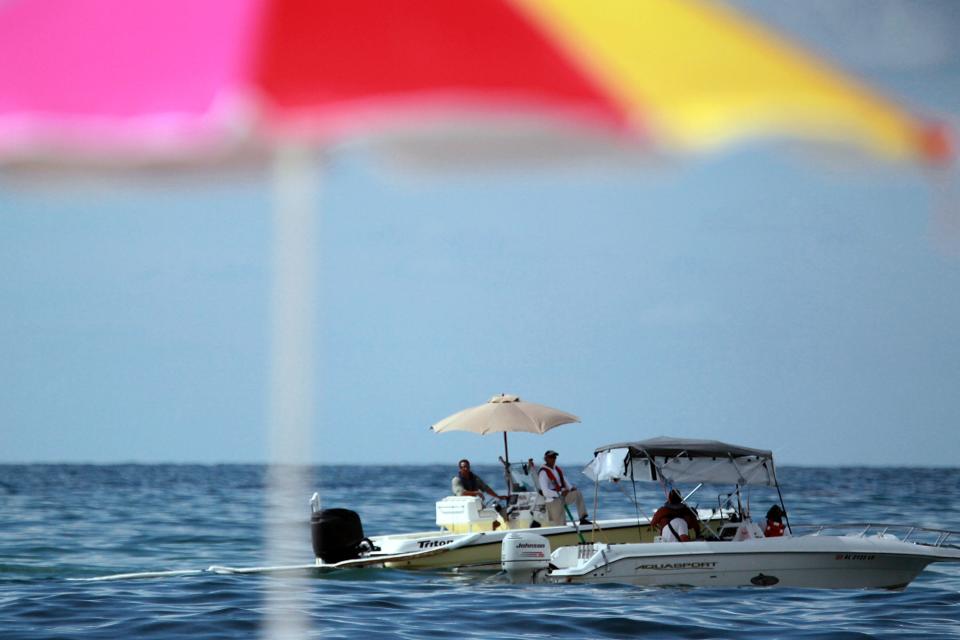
[[744, 530], [467, 514]]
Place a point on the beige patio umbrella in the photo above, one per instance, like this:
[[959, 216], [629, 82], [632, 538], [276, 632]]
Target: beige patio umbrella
[[502, 414]]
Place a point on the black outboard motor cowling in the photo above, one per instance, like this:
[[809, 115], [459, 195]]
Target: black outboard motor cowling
[[336, 534]]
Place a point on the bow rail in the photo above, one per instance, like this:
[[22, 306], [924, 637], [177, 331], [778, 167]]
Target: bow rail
[[921, 535]]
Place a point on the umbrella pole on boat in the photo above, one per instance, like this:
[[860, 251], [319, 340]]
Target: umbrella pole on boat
[[506, 465]]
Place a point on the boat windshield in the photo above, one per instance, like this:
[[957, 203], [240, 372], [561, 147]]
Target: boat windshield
[[523, 478]]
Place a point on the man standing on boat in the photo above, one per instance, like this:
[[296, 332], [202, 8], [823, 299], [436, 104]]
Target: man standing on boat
[[557, 492], [467, 483]]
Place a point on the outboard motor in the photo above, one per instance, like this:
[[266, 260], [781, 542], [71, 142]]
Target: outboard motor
[[337, 535], [524, 556]]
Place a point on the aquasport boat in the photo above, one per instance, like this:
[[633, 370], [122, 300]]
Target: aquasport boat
[[845, 556], [470, 533]]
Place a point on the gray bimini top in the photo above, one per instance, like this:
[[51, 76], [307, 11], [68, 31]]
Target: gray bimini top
[[677, 460]]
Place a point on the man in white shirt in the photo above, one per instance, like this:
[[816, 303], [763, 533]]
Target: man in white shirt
[[676, 515], [557, 492], [676, 531]]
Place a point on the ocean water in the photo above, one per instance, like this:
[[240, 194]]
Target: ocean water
[[62, 524]]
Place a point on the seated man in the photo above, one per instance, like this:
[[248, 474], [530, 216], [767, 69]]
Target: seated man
[[558, 493], [467, 483], [675, 519]]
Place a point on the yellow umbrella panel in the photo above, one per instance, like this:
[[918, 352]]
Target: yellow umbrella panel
[[697, 76]]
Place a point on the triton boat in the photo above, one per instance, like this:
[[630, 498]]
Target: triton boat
[[738, 553], [469, 533]]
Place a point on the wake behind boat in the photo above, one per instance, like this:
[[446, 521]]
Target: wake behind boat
[[740, 553]]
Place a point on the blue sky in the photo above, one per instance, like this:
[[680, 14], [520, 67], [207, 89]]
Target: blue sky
[[802, 302]]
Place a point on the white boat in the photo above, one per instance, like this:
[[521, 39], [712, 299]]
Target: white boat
[[848, 556], [469, 533]]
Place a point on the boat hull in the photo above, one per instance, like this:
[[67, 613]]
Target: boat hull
[[809, 562], [484, 554], [483, 551], [480, 550]]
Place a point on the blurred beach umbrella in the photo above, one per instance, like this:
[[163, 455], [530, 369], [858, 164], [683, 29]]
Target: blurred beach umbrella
[[167, 80], [114, 84]]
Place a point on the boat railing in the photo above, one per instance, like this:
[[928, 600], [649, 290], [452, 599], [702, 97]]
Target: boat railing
[[920, 535]]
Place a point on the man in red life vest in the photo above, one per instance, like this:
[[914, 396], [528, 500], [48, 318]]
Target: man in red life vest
[[557, 492], [774, 528], [674, 519]]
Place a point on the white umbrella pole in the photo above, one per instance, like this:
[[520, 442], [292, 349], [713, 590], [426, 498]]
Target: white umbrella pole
[[292, 381]]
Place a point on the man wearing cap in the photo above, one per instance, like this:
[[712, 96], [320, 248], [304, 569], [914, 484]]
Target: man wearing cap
[[557, 492]]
